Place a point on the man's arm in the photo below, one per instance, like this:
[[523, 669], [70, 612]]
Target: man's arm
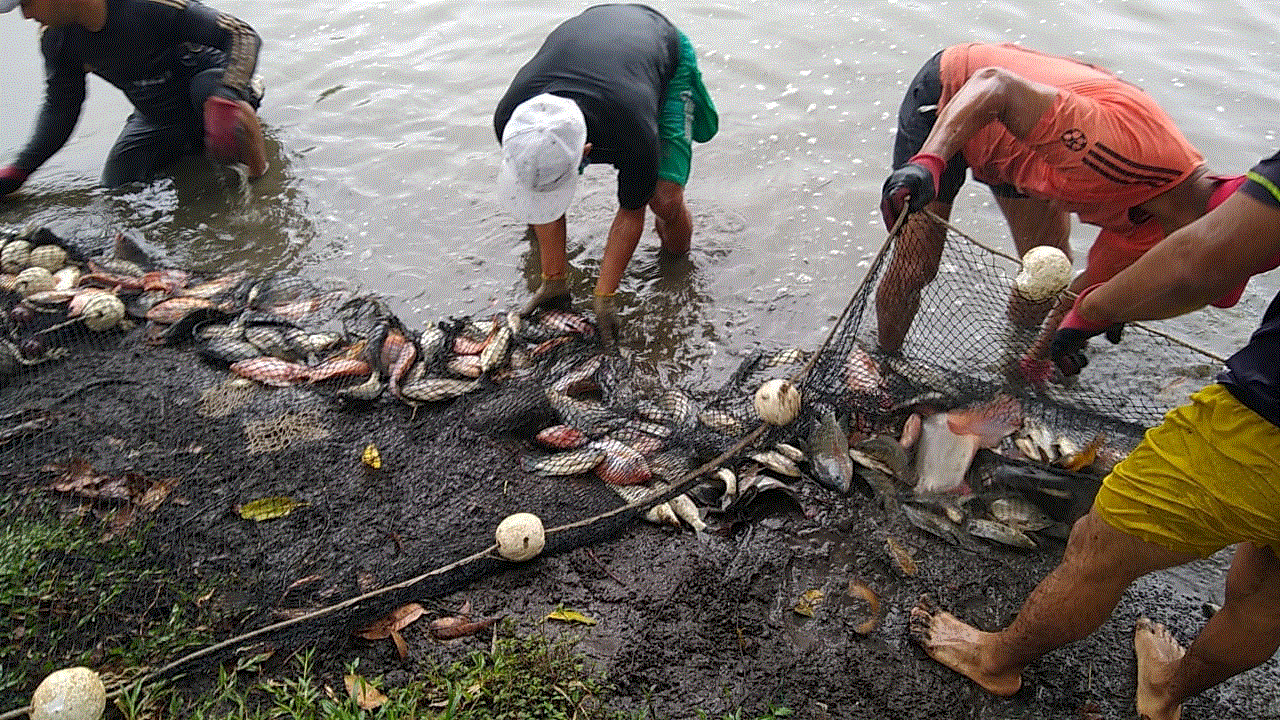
[[990, 94], [63, 99], [203, 25], [1192, 267]]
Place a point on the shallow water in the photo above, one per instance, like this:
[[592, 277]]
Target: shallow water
[[379, 118]]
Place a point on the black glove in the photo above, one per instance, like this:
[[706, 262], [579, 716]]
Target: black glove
[[554, 292], [913, 184], [1072, 335], [11, 178], [607, 322]]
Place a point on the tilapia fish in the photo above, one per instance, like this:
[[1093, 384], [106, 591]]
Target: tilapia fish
[[829, 453], [949, 441]]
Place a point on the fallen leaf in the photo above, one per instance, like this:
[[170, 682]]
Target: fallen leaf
[[371, 456], [810, 600], [397, 620], [401, 646], [857, 589], [570, 616], [365, 694], [268, 508], [452, 631], [902, 557], [154, 495]]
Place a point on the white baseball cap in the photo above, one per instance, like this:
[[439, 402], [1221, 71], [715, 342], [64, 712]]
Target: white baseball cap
[[542, 148], [7, 5]]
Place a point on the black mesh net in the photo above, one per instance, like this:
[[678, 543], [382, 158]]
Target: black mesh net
[[290, 462]]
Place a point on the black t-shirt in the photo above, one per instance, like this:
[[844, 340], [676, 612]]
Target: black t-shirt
[[147, 48], [1253, 373], [615, 61]]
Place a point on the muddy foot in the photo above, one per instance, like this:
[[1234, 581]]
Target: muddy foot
[[1157, 652], [957, 645]]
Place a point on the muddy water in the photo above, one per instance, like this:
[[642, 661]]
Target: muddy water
[[382, 154]]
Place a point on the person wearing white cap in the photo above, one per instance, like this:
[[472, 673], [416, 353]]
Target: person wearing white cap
[[617, 84], [186, 68]]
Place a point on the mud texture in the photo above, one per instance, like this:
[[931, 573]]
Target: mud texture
[[688, 625]]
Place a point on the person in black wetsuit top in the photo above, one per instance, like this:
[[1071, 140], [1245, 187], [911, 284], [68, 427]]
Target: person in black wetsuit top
[[186, 68], [617, 84]]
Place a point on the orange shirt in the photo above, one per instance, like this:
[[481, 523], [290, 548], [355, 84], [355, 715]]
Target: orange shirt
[[1105, 147]]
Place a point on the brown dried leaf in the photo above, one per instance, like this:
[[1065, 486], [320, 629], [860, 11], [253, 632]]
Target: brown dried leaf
[[857, 589], [365, 694], [401, 646], [75, 475], [902, 557], [464, 629], [397, 620], [154, 495]]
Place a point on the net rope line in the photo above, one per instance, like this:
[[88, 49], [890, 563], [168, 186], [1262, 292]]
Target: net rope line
[[686, 482], [1171, 338]]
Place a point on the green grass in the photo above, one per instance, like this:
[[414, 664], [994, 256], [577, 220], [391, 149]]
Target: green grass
[[65, 595], [523, 678], [531, 678]]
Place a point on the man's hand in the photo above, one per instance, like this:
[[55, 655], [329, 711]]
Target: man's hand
[[607, 322], [554, 292], [11, 178], [913, 184], [1072, 335], [221, 128]]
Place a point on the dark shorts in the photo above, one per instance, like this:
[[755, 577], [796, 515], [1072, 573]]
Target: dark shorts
[[147, 146], [916, 116]]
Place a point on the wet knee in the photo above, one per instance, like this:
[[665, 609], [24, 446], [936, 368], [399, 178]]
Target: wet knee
[[667, 201]]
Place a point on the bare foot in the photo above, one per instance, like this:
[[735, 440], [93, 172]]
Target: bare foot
[[1157, 652], [958, 646]]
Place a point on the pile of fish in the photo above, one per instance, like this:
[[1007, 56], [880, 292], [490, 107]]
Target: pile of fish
[[547, 377]]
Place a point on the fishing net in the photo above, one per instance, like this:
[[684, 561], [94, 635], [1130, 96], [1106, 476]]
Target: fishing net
[[286, 462]]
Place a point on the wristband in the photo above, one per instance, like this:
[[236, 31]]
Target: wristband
[[934, 163]]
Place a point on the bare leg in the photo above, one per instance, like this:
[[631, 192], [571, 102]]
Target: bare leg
[[1244, 634], [671, 219], [1073, 601], [916, 255]]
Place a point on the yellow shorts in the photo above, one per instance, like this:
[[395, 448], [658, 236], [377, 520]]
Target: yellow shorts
[[1205, 478]]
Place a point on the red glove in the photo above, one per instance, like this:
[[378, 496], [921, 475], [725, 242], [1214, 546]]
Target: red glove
[[1073, 333], [11, 178], [915, 184], [221, 123]]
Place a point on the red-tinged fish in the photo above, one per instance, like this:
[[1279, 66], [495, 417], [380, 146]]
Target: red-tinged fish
[[168, 280], [463, 345], [581, 379], [563, 321], [622, 464], [465, 365], [435, 389], [571, 462], [82, 297], [271, 371], [103, 277], [398, 354], [174, 309], [549, 345], [862, 373], [215, 286], [330, 369], [561, 437], [950, 440]]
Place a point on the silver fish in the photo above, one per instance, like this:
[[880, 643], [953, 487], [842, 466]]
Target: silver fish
[[435, 389], [1019, 513], [571, 462], [495, 351], [999, 532], [776, 462], [829, 453]]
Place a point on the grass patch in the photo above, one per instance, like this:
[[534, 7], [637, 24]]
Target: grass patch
[[529, 678], [70, 598]]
